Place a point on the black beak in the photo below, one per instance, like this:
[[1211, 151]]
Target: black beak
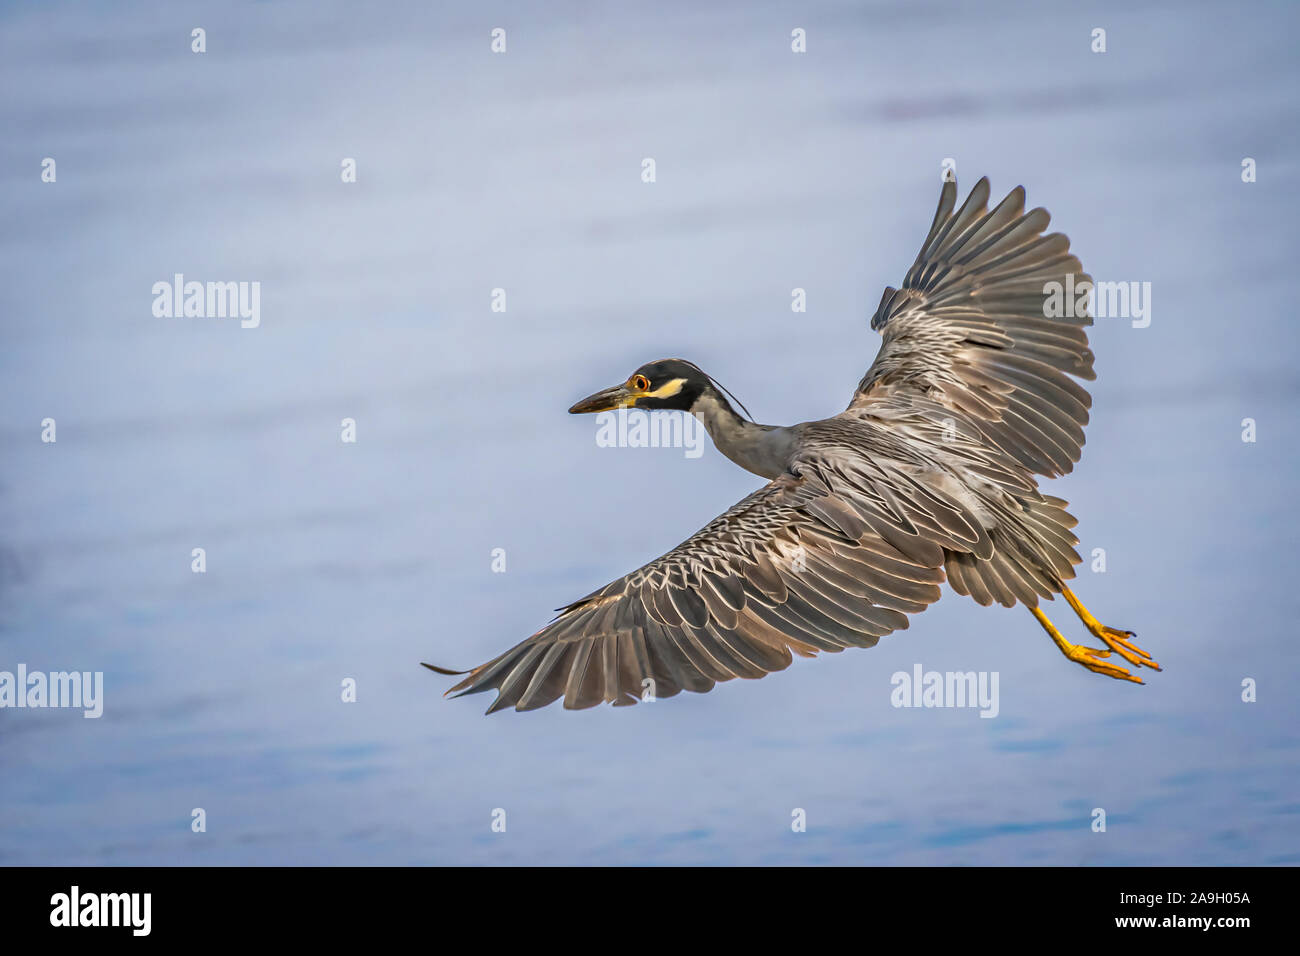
[[620, 396]]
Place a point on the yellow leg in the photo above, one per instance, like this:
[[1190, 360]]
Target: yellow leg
[[1089, 657], [1116, 639]]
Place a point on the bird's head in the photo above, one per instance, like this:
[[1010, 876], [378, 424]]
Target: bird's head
[[668, 384]]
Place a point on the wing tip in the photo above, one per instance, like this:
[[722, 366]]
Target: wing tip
[[442, 670]]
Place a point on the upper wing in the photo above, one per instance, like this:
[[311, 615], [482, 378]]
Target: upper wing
[[968, 329], [805, 563]]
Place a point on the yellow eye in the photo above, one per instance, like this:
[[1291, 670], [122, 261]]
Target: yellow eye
[[640, 383]]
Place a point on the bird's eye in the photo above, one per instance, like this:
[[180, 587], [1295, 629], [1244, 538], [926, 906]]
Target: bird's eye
[[641, 383]]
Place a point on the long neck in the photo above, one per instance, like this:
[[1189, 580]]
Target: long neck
[[763, 449]]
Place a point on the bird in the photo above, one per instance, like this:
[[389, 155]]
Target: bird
[[929, 475]]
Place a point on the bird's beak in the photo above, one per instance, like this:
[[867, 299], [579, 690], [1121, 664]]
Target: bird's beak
[[620, 396]]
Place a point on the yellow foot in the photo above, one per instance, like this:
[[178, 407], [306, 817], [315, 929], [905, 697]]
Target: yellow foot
[[1092, 658], [1089, 657], [1118, 640]]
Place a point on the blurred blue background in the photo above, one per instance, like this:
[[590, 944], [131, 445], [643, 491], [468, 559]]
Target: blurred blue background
[[521, 171]]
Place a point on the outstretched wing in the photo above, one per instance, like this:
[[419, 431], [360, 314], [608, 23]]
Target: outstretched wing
[[807, 563], [970, 330]]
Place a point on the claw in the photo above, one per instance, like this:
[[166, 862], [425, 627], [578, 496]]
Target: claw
[[1092, 658], [1089, 657], [1120, 642], [1117, 639]]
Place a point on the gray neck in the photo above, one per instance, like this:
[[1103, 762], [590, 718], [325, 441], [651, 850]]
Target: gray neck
[[763, 449]]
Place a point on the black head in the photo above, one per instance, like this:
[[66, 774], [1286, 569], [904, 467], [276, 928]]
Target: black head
[[656, 386]]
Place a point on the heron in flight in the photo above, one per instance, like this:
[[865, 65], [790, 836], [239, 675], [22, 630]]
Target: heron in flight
[[929, 474]]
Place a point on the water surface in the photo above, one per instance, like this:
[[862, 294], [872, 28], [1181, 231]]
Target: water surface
[[328, 561]]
